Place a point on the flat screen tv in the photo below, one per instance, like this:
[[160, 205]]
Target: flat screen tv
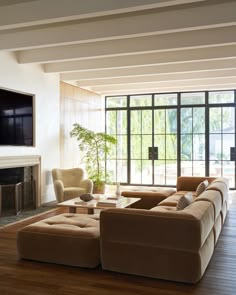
[[16, 118]]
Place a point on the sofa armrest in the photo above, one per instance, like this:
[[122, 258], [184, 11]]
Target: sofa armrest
[[59, 188], [87, 184], [162, 228]]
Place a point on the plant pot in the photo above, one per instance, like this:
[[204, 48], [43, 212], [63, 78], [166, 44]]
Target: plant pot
[[99, 188]]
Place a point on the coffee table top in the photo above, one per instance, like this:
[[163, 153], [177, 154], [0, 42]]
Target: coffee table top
[[99, 202]]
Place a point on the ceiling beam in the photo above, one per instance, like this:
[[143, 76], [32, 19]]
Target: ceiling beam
[[170, 89], [184, 67], [158, 78], [176, 84], [157, 21], [38, 12], [221, 52], [181, 40]]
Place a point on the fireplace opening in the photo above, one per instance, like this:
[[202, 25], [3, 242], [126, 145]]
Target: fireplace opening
[[17, 190]]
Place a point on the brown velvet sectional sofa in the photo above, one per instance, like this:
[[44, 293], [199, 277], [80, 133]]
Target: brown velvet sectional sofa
[[163, 242], [159, 242]]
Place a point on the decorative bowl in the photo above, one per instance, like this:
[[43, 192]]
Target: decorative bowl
[[86, 197]]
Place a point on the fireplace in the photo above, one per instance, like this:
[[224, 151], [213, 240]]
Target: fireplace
[[19, 183]]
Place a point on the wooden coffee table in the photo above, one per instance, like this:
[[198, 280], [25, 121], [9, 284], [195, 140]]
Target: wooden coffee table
[[75, 203]]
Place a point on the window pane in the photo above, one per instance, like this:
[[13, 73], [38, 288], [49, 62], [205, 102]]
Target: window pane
[[228, 172], [136, 167], [215, 168], [159, 172], [221, 97], [121, 118], [186, 168], [171, 121], [165, 99], [193, 98], [171, 172], [228, 120], [171, 147], [186, 147], [111, 170], [199, 120], [159, 121], [147, 122], [198, 168], [186, 120], [136, 122], [122, 171], [147, 172], [121, 147], [113, 149], [215, 120], [228, 141], [159, 141], [111, 122], [215, 147], [198, 146], [146, 143], [140, 100], [116, 102], [135, 146]]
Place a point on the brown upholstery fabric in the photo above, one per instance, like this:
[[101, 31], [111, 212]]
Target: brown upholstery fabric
[[215, 198], [190, 183], [172, 200], [217, 228], [158, 239], [149, 198], [164, 242], [71, 239], [220, 187], [157, 262]]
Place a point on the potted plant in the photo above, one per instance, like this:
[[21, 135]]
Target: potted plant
[[95, 146]]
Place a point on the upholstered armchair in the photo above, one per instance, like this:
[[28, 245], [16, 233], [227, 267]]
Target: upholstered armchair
[[70, 183]]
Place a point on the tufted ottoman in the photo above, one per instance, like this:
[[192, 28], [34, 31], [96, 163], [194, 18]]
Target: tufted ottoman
[[70, 239]]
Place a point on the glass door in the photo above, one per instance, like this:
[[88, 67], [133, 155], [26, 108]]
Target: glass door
[[222, 142], [141, 140], [165, 140]]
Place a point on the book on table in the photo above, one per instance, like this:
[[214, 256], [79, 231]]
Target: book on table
[[109, 203]]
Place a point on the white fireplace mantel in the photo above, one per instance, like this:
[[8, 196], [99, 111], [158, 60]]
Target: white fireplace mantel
[[24, 161], [19, 161]]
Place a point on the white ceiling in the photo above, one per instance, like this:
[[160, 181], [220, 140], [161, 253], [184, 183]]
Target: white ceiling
[[126, 46]]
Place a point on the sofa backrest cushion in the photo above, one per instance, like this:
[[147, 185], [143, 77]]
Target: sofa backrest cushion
[[190, 183], [214, 197], [221, 185]]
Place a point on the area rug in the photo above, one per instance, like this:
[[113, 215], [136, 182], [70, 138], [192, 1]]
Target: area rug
[[5, 220]]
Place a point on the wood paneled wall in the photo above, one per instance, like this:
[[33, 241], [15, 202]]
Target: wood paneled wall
[[77, 106]]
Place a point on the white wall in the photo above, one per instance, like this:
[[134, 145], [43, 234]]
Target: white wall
[[46, 88]]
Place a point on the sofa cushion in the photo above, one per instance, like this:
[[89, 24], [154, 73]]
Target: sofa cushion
[[190, 183], [201, 187], [184, 201], [214, 197], [172, 200], [220, 186]]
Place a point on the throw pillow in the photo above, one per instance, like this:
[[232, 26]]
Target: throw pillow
[[201, 187], [184, 201]]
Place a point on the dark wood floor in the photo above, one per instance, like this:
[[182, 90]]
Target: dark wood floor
[[36, 278]]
